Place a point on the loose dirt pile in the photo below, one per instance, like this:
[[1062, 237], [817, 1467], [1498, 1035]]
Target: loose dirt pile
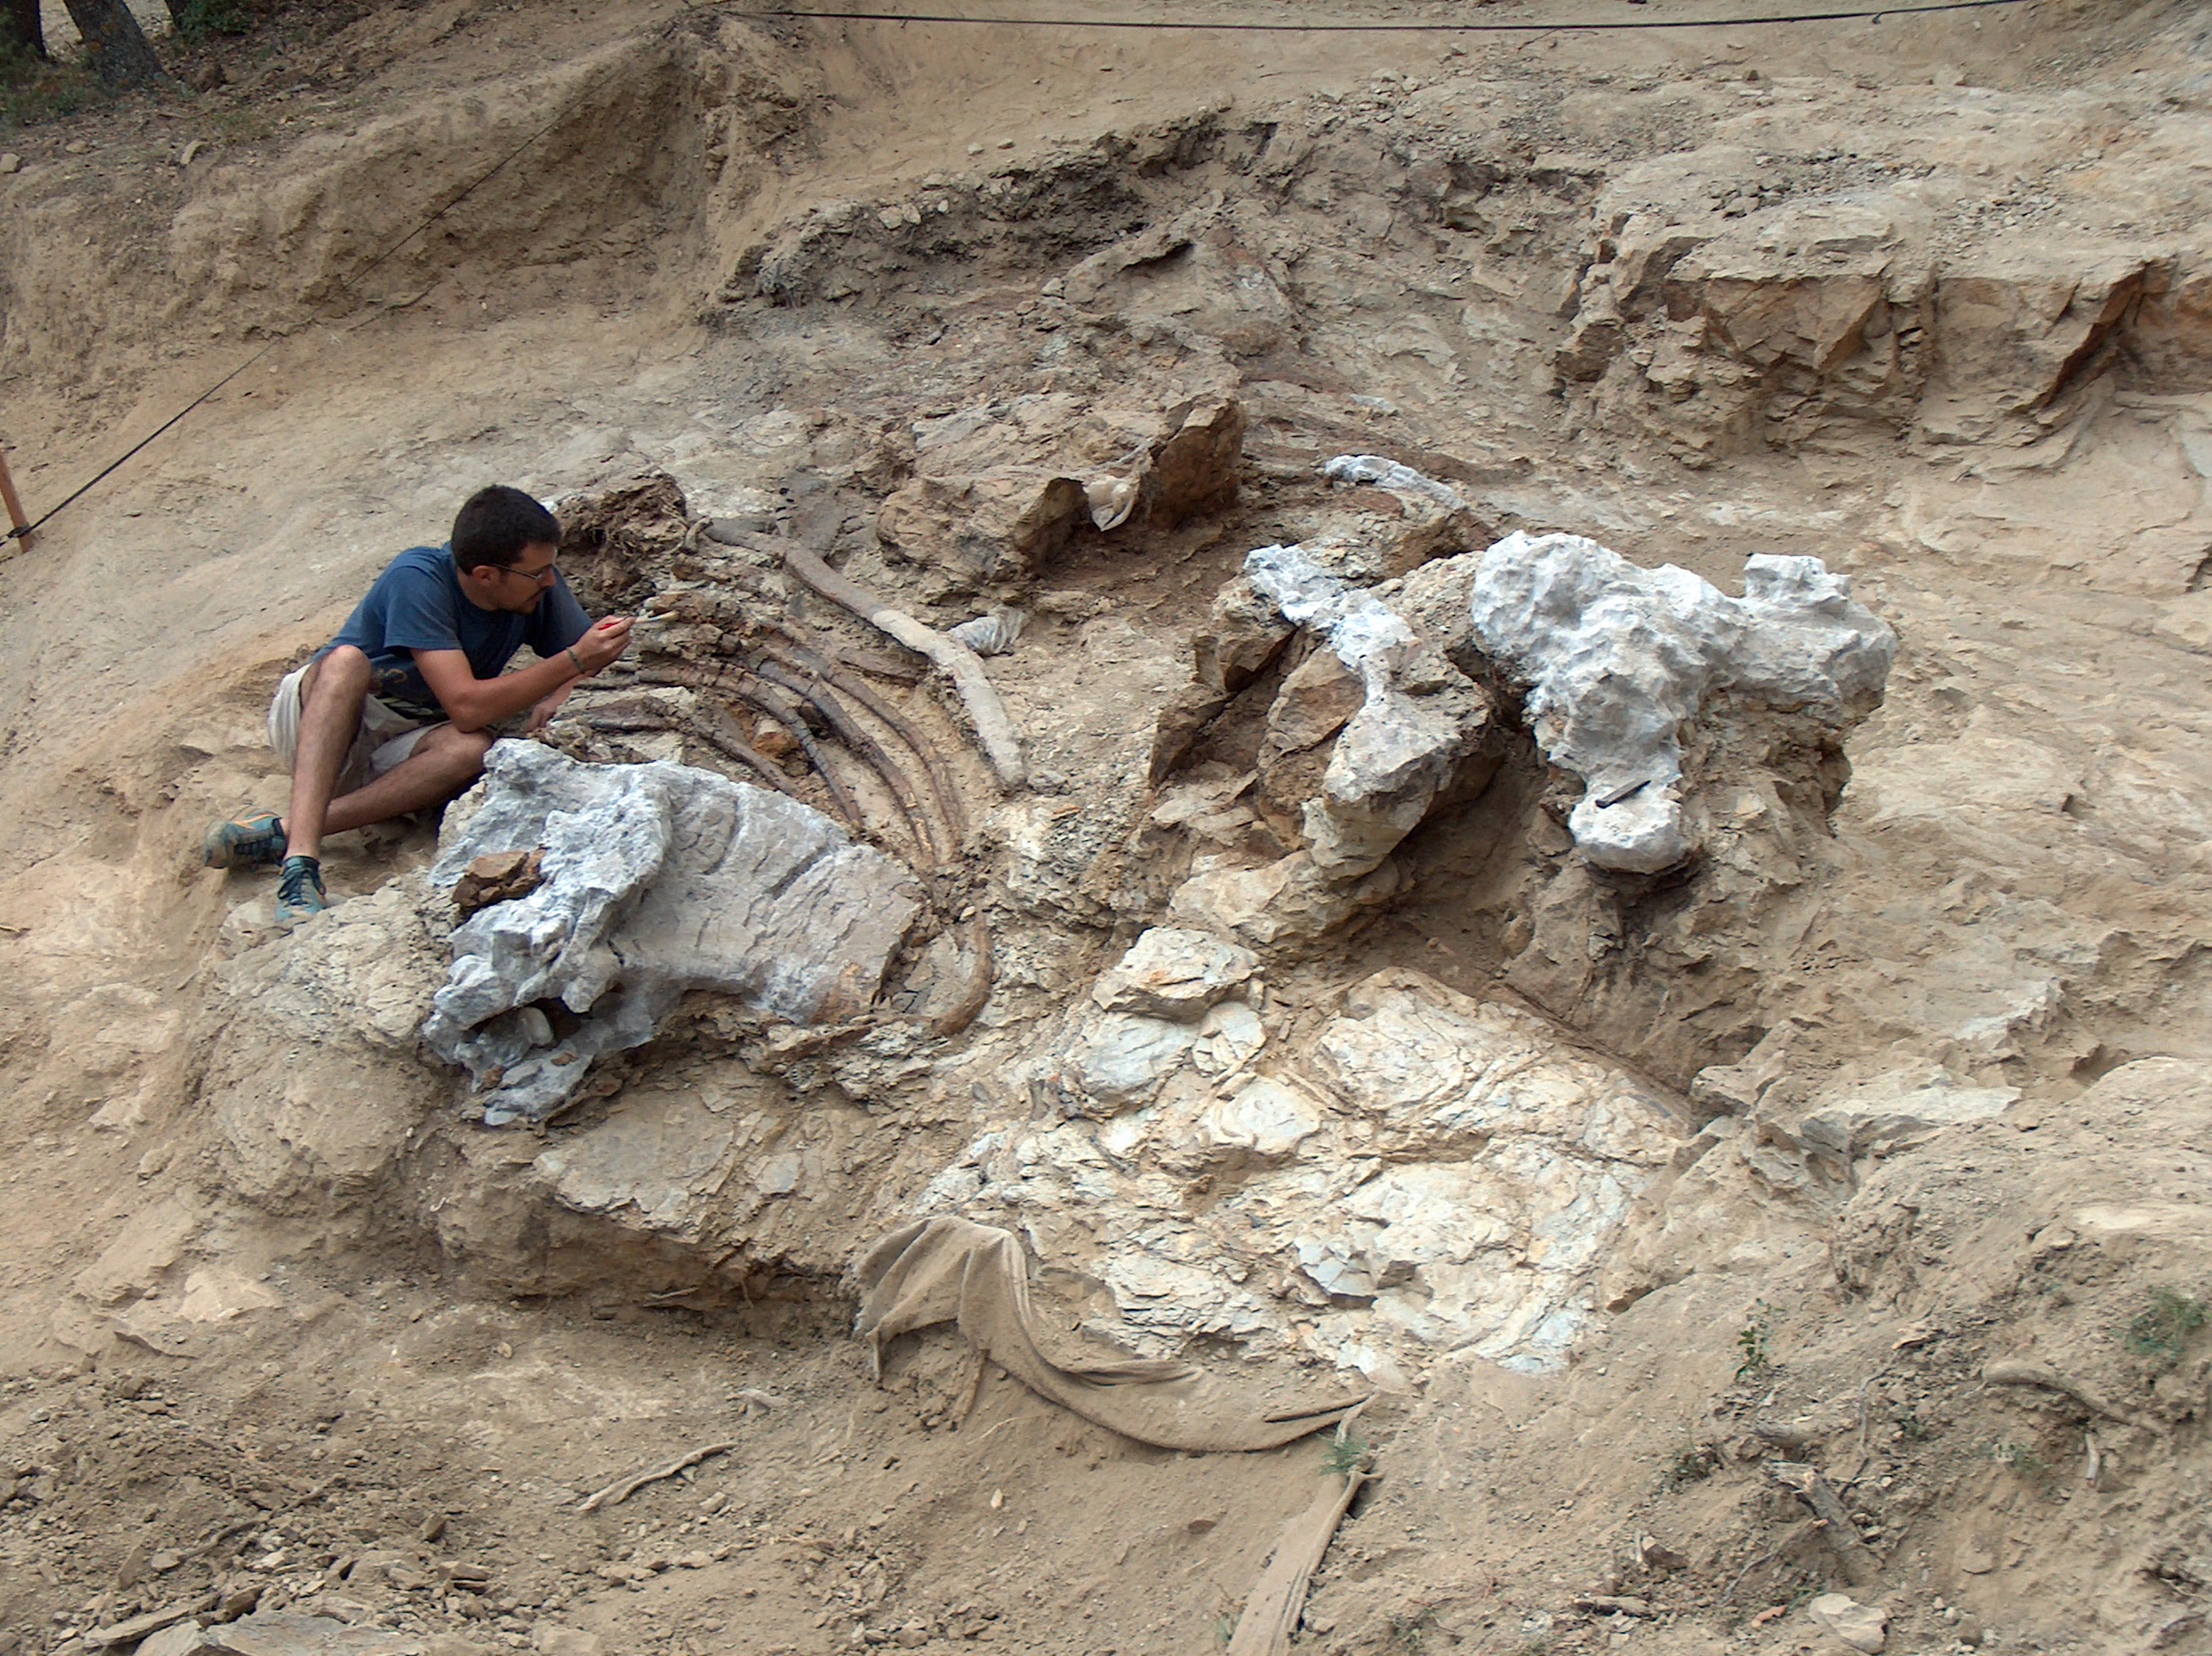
[[1790, 1238]]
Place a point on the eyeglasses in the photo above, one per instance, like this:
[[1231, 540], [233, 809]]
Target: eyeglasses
[[544, 577]]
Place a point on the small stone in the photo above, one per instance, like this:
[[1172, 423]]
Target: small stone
[[1173, 972], [498, 877], [911, 1636], [76, 147], [1655, 1555], [138, 1627], [11, 162], [177, 1640], [774, 741], [191, 152], [551, 1639], [1862, 1626]]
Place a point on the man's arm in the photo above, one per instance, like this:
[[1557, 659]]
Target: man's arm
[[474, 703]]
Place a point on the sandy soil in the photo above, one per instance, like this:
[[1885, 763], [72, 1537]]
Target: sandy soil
[[382, 1391]]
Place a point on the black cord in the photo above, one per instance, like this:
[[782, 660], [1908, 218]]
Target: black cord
[[1367, 28], [113, 466]]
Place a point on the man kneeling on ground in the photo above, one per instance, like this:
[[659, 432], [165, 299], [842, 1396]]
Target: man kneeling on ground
[[396, 713]]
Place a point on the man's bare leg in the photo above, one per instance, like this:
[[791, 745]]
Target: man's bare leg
[[329, 717], [441, 767]]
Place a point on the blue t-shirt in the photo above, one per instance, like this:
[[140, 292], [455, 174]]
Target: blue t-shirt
[[418, 603]]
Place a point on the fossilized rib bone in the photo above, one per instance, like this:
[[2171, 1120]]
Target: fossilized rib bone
[[995, 729]]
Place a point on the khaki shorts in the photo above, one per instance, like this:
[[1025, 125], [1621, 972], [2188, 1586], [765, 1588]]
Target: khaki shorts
[[385, 740]]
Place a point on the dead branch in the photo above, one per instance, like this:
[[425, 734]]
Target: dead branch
[[1860, 1565], [2013, 1370], [623, 1488]]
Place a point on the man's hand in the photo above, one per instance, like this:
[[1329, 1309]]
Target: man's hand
[[602, 642], [542, 713]]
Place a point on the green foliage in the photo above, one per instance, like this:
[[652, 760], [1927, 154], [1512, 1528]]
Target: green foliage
[[198, 19], [1751, 1342], [2020, 1460], [1693, 1465], [32, 90], [1345, 1456], [2162, 1329], [1915, 1430], [1409, 1629]]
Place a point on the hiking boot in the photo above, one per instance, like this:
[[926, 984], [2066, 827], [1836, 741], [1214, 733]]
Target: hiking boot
[[252, 839], [300, 890]]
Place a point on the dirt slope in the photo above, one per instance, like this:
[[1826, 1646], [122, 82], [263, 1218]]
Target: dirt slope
[[1928, 299]]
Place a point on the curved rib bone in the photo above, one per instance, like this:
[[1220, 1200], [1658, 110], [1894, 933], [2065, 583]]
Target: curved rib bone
[[697, 676], [864, 745], [994, 730], [951, 808], [702, 727]]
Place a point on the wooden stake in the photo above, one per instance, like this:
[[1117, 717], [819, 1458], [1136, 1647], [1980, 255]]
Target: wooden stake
[[14, 505]]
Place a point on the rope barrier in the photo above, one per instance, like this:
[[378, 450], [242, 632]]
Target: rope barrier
[[1189, 25], [128, 455]]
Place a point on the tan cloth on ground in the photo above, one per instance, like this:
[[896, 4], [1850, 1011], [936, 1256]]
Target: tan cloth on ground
[[947, 1270]]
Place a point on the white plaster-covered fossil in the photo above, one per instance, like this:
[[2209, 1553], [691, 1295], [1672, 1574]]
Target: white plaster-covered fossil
[[657, 878], [1399, 750], [1619, 659]]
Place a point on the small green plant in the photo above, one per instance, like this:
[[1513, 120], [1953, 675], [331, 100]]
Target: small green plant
[[1751, 1342], [1915, 1429], [1345, 1456], [198, 19], [2018, 1458], [1694, 1465], [32, 90], [2162, 1329], [1409, 1629]]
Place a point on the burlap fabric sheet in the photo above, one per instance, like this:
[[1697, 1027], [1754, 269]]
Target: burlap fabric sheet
[[952, 1270]]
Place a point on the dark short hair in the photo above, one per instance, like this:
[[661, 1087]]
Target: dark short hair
[[493, 525]]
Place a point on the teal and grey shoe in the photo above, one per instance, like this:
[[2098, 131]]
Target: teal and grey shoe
[[252, 839], [300, 890]]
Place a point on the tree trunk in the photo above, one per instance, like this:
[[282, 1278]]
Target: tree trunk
[[116, 44], [20, 25]]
